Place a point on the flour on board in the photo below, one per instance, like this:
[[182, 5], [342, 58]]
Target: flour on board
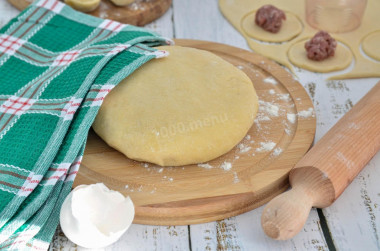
[[243, 148], [226, 166], [291, 117], [266, 146], [277, 151], [284, 96], [306, 113], [268, 108], [270, 80], [205, 165], [236, 178]]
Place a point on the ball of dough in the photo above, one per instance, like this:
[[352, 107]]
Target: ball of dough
[[188, 108]]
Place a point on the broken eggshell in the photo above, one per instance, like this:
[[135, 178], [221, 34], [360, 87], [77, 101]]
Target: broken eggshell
[[93, 216]]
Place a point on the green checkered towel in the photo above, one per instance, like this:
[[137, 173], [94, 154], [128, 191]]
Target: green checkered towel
[[56, 67]]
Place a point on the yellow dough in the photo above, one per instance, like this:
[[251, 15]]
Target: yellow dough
[[290, 28], [341, 60], [188, 108], [83, 5], [371, 45], [122, 2], [236, 10]]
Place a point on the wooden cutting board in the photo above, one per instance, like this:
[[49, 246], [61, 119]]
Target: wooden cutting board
[[259, 166], [139, 13]]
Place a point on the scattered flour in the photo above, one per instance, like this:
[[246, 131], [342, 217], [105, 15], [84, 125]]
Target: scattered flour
[[288, 131], [269, 108], [270, 80], [284, 97], [272, 91], [226, 166], [146, 165], [240, 67], [291, 117], [262, 117], [248, 137], [266, 146], [126, 186], [306, 113], [236, 178], [243, 148], [277, 151], [160, 170], [237, 157], [205, 165]]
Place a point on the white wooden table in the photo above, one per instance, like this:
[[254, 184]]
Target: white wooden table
[[351, 223]]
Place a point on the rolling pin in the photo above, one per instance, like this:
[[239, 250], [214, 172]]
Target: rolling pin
[[321, 176]]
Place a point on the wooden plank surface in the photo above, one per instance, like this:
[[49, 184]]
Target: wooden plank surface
[[353, 220]]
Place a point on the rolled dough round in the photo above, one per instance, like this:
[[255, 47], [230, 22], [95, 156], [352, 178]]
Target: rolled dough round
[[341, 60], [371, 45], [188, 108], [290, 28]]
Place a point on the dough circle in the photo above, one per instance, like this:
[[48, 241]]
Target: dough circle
[[291, 27], [371, 45], [341, 60], [188, 108]]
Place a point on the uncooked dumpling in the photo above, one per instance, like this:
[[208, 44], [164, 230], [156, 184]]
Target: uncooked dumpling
[[290, 28], [188, 108], [341, 60]]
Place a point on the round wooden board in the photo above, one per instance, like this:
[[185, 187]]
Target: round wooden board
[[139, 13], [194, 194]]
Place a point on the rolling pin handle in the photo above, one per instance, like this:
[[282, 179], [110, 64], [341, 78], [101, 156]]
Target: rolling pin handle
[[284, 216]]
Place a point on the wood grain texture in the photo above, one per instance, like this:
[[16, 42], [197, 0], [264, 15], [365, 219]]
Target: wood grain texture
[[243, 232], [139, 13], [353, 220], [327, 169], [192, 194]]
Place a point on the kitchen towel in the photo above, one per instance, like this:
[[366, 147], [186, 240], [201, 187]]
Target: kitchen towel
[[56, 67]]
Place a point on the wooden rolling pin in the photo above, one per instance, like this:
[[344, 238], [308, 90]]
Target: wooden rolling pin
[[320, 177]]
